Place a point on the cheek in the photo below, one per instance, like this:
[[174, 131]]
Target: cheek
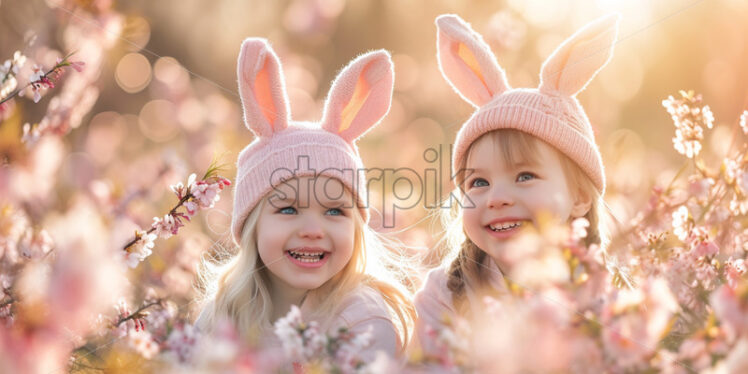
[[471, 221], [342, 235], [557, 202], [471, 209], [264, 246], [269, 242]]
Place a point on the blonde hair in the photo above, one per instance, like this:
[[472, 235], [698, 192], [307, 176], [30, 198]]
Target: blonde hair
[[236, 288], [516, 146]]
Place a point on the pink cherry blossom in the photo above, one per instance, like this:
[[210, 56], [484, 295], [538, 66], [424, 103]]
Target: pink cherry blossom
[[681, 223], [142, 248], [77, 65], [182, 341], [579, 228], [731, 309], [735, 271], [142, 342], [167, 226]]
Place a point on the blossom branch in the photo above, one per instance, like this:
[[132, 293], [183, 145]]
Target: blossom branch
[[172, 212], [139, 313], [194, 195], [40, 79]]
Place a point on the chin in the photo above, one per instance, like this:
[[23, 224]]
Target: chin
[[492, 249], [305, 284]]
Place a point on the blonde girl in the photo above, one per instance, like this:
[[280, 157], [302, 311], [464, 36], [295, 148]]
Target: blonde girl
[[524, 152], [300, 213]]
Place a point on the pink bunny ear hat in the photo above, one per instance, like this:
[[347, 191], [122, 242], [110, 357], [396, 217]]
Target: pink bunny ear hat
[[359, 97], [551, 112]]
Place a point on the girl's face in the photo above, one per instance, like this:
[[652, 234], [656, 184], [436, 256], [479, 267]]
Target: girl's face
[[305, 232], [508, 195]]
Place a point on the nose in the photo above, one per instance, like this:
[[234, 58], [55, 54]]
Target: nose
[[498, 198], [311, 230]]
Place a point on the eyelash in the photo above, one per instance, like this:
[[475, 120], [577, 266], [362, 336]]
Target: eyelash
[[336, 209], [342, 213], [472, 183], [288, 207], [533, 175], [520, 175]]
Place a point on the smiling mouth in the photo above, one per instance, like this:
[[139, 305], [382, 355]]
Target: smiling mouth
[[308, 257], [505, 226]]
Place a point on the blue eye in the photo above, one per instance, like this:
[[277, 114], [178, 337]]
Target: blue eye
[[525, 176], [287, 210], [479, 182], [334, 212]]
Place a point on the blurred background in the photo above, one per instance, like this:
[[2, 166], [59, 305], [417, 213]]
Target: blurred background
[[161, 100]]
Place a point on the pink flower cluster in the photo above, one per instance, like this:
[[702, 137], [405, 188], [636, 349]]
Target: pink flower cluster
[[305, 345], [202, 194], [8, 73], [142, 248], [182, 341], [124, 323], [689, 119], [195, 195], [41, 80]]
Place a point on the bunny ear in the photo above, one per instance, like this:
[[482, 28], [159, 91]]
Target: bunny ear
[[261, 88], [466, 61], [360, 96], [578, 59]]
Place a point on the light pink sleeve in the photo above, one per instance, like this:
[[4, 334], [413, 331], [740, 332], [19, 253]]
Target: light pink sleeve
[[367, 310], [433, 305]]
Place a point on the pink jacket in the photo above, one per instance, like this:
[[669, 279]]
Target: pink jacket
[[434, 305], [362, 309]]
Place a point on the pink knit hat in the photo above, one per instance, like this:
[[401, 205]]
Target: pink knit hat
[[551, 112], [359, 97]]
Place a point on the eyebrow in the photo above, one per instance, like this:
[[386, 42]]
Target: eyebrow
[[517, 165], [277, 199], [330, 202], [525, 163]]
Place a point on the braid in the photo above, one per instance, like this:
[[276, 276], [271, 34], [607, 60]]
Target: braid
[[596, 231], [464, 269]]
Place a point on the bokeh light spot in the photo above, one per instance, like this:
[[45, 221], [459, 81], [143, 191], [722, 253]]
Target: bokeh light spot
[[158, 120], [133, 72]]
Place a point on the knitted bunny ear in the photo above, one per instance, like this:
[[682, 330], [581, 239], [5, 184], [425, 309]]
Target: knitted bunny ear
[[360, 96], [466, 61], [261, 88], [578, 59]]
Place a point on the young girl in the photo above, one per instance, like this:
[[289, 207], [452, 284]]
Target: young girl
[[523, 153], [300, 212]]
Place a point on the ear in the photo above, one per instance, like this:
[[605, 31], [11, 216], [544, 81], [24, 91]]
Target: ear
[[582, 204], [360, 96], [261, 88], [578, 59], [466, 61]]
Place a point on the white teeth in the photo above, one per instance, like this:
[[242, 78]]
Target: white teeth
[[306, 256], [306, 253], [505, 226]]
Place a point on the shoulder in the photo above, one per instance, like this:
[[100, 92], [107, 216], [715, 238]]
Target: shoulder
[[362, 304], [434, 307], [364, 311], [434, 291]]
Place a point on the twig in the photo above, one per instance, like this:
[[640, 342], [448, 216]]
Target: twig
[[171, 212], [136, 314], [17, 91]]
